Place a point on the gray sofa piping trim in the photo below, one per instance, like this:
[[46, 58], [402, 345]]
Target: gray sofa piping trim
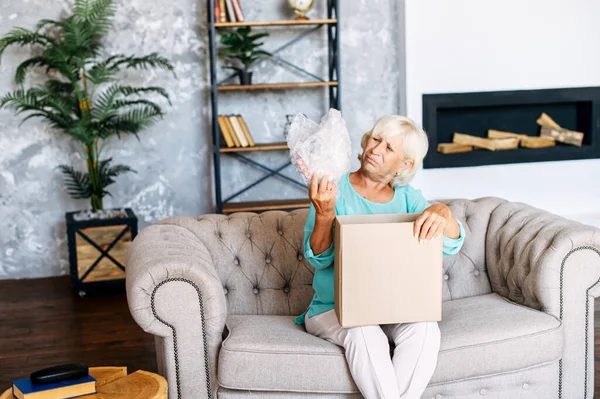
[[204, 340], [587, 313]]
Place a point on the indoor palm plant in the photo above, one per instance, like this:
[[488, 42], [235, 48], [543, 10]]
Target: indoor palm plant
[[81, 97], [242, 49]]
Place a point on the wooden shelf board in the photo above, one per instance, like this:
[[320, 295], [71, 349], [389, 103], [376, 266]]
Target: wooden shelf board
[[274, 23], [264, 86], [257, 147], [255, 206]]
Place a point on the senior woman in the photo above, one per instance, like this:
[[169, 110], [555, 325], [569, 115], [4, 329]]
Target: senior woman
[[393, 151]]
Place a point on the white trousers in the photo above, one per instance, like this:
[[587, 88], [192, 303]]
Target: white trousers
[[405, 375]]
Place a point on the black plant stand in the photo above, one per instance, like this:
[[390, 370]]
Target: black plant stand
[[97, 251]]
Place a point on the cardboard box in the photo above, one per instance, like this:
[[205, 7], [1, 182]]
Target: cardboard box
[[382, 274]]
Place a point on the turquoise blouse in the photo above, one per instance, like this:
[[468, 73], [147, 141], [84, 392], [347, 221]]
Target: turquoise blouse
[[406, 200]]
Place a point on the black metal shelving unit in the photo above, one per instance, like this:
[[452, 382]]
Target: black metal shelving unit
[[333, 85]]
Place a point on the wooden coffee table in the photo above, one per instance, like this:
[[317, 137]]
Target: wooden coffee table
[[114, 382]]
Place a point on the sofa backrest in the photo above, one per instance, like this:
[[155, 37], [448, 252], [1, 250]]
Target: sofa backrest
[[465, 274], [259, 258]]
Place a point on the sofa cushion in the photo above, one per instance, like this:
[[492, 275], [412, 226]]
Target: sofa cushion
[[481, 335], [271, 352], [489, 334]]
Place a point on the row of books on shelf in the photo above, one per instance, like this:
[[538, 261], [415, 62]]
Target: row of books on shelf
[[235, 131], [228, 11]]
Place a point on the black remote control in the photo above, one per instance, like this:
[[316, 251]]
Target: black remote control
[[59, 373]]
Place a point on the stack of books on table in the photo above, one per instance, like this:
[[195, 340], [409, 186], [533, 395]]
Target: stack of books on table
[[235, 131], [57, 382], [25, 389]]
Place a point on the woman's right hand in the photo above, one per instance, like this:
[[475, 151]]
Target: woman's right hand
[[322, 195]]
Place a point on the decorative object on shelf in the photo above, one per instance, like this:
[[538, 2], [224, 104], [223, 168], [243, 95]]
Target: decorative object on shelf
[[235, 131], [301, 7], [243, 50], [228, 11], [81, 96], [244, 129], [222, 11], [237, 9]]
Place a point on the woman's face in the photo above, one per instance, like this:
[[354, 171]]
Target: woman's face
[[383, 157]]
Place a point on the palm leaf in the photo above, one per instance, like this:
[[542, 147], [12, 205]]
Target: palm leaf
[[144, 116], [96, 14], [229, 52], [245, 31], [232, 39], [261, 52], [55, 120], [257, 36], [21, 101], [109, 173], [78, 183], [27, 101], [60, 87], [102, 11], [78, 39], [31, 116], [82, 9], [95, 11], [45, 22], [152, 60], [61, 103], [101, 73], [128, 103], [22, 36], [59, 60], [82, 131], [25, 65], [130, 122], [105, 103]]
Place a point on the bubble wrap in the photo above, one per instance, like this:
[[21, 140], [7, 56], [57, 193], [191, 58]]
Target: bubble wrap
[[325, 147]]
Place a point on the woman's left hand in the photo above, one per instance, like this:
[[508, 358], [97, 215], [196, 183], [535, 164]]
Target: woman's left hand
[[432, 222]]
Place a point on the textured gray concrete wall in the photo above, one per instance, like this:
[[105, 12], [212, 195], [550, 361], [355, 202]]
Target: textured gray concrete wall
[[174, 158]]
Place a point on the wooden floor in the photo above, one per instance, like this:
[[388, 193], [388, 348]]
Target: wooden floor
[[42, 324]]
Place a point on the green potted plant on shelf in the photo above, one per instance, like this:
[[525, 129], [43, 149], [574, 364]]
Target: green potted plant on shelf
[[81, 97], [242, 51]]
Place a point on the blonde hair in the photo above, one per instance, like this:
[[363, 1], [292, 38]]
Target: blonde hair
[[415, 143]]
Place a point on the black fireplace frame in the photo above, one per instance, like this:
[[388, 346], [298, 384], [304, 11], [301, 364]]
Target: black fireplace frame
[[516, 111]]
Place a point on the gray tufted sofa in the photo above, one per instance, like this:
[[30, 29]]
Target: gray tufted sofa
[[219, 293]]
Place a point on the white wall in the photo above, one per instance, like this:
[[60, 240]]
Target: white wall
[[474, 45]]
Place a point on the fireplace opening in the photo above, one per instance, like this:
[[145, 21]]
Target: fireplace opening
[[487, 115]]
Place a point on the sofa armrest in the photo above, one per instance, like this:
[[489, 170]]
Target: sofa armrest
[[551, 264], [175, 293]]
